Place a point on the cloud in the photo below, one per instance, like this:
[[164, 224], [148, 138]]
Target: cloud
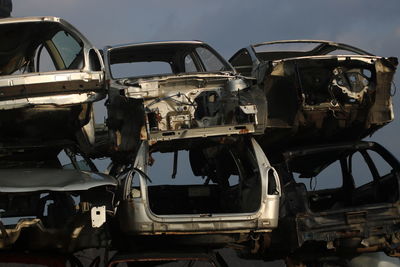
[[43, 7]]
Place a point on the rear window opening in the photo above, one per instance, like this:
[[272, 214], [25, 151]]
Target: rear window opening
[[159, 58], [137, 69], [221, 180]]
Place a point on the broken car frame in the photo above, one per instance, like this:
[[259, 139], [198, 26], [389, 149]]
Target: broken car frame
[[196, 94], [353, 216], [318, 91]]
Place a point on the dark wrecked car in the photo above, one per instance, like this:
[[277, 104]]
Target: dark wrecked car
[[223, 193], [169, 91], [338, 201], [45, 207], [319, 91], [50, 75]]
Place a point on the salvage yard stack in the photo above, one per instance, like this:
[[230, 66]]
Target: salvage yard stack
[[242, 140]]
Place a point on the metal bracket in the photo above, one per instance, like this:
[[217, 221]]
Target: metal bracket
[[98, 216]]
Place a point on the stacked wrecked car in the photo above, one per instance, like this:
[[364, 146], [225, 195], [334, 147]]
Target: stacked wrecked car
[[356, 211], [50, 77], [202, 154], [319, 91], [190, 106]]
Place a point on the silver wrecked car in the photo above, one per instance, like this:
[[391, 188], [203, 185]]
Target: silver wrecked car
[[174, 90], [231, 191], [50, 75]]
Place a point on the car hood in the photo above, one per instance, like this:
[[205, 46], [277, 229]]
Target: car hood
[[32, 180]]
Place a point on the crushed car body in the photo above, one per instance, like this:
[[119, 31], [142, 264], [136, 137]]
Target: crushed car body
[[44, 208], [166, 91], [319, 91], [50, 74], [338, 200]]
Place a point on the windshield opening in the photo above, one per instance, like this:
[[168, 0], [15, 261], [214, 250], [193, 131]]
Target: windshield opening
[[164, 59]]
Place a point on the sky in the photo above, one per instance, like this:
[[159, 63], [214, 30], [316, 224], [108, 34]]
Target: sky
[[230, 25]]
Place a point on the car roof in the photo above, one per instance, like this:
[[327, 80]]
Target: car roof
[[276, 49], [29, 19], [151, 43]]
